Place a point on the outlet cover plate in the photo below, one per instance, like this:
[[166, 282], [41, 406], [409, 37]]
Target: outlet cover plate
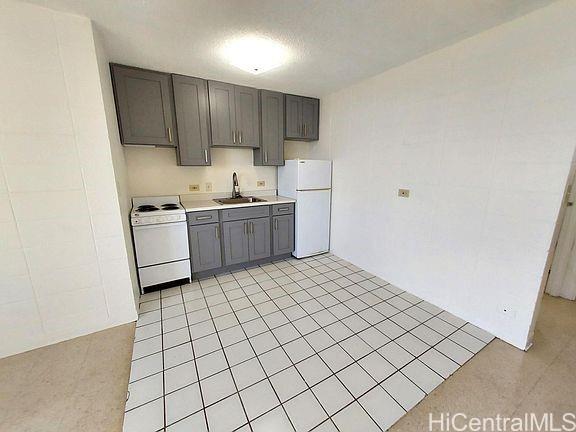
[[404, 193], [194, 188], [260, 183]]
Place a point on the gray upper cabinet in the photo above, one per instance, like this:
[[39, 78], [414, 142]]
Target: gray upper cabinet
[[283, 234], [235, 239], [222, 113], [271, 151], [259, 238], [302, 117], [310, 118], [247, 121], [144, 106], [205, 247], [192, 120], [233, 115]]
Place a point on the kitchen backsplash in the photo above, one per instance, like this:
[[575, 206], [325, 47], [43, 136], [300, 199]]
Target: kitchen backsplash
[[153, 171]]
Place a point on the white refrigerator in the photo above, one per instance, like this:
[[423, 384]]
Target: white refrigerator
[[309, 182]]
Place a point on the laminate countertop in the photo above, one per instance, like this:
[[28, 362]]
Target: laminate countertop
[[203, 205]]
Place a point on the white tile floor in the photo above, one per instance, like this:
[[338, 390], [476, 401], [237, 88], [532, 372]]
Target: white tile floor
[[297, 345]]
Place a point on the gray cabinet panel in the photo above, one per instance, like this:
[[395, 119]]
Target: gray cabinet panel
[[271, 151], [205, 247], [222, 113], [192, 119], [259, 239], [302, 117], [235, 237], [144, 106], [202, 217], [247, 121], [245, 212], [310, 113], [283, 234], [293, 126]]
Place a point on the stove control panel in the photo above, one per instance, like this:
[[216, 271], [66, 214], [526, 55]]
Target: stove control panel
[[151, 220]]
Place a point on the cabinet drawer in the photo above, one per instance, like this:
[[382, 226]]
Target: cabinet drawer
[[245, 213], [202, 217], [280, 209]]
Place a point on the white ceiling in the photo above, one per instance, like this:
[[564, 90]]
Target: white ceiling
[[335, 42]]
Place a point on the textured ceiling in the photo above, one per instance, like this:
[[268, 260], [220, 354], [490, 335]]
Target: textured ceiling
[[335, 42]]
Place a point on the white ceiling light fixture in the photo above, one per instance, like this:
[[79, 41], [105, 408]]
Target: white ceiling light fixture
[[255, 54]]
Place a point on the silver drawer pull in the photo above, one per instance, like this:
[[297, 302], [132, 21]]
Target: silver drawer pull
[[203, 217], [283, 209]]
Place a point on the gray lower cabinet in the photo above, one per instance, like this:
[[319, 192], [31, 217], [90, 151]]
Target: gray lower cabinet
[[144, 106], [302, 117], [192, 120], [205, 247], [246, 240], [271, 151], [235, 238], [259, 238], [233, 115], [283, 234]]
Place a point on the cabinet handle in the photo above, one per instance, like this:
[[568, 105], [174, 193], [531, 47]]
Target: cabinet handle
[[234, 137], [206, 155], [305, 134], [240, 136], [203, 217], [276, 224], [169, 134], [217, 232], [265, 156], [251, 227], [283, 209]]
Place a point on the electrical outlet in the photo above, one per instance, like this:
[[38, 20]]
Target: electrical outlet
[[208, 187], [260, 183], [194, 188], [404, 193]]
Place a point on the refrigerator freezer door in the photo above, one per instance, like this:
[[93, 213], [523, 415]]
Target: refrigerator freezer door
[[312, 223], [314, 174]]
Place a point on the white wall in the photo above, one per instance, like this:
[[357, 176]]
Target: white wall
[[482, 133], [118, 158], [63, 264], [153, 171]]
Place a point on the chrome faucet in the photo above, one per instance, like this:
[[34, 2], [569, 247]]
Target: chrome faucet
[[235, 187]]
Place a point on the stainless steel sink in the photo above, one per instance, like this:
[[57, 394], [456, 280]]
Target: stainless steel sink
[[242, 200]]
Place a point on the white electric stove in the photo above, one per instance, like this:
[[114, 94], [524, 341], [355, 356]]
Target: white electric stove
[[160, 235]]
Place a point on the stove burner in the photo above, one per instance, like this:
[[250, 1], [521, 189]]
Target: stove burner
[[170, 207], [147, 208]]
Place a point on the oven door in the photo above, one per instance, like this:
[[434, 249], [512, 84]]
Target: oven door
[[163, 243]]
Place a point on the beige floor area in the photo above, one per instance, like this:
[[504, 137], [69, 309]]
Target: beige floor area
[[76, 385], [81, 384], [504, 380]]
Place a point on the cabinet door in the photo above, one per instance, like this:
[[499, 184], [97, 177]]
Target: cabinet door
[[310, 114], [191, 102], [293, 117], [259, 239], [271, 151], [235, 238], [283, 234], [144, 106], [205, 247], [222, 113], [247, 121]]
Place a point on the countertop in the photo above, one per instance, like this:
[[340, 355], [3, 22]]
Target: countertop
[[201, 205]]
